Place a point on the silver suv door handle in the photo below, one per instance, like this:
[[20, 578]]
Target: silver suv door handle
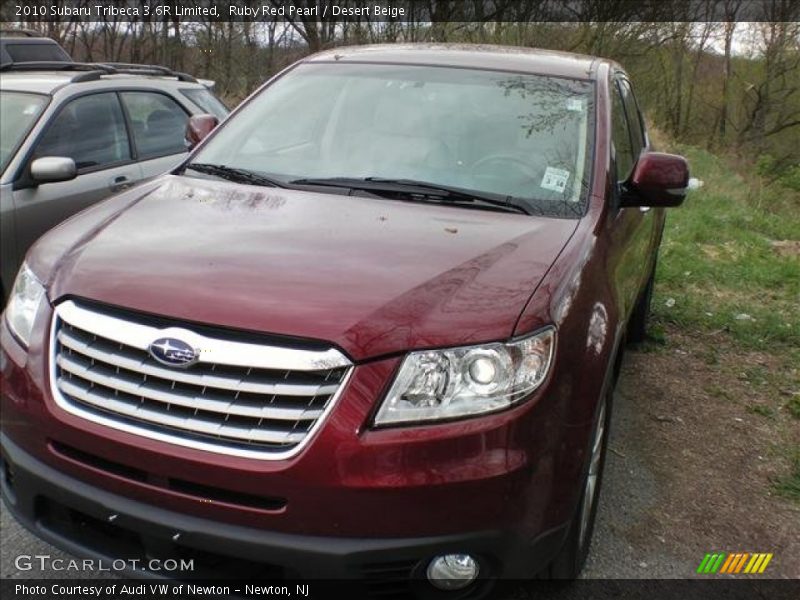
[[119, 183]]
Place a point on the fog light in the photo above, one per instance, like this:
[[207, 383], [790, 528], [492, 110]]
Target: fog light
[[453, 571]]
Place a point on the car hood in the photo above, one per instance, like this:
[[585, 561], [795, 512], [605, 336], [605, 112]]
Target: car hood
[[372, 276]]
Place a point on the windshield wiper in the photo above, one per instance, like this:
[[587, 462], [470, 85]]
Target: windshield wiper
[[235, 175], [421, 189]]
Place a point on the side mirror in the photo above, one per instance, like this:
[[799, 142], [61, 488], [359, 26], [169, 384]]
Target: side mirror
[[50, 169], [198, 127], [658, 180]]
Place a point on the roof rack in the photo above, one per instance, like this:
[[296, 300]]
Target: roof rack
[[96, 70], [24, 32], [133, 68], [48, 65]]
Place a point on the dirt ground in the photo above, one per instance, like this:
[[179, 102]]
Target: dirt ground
[[692, 464], [690, 470]]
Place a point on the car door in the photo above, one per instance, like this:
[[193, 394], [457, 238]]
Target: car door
[[653, 222], [91, 130], [631, 227], [158, 127]]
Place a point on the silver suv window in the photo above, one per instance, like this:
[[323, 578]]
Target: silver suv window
[[158, 123], [207, 101], [18, 113], [44, 51], [90, 130]]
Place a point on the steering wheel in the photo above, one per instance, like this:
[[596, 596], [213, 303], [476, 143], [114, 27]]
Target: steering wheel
[[525, 168]]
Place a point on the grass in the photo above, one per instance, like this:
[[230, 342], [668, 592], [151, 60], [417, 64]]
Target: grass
[[718, 268], [789, 485], [722, 276], [793, 406], [761, 409], [717, 391]]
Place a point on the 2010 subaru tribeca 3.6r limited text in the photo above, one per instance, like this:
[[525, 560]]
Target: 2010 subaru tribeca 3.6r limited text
[[368, 329]]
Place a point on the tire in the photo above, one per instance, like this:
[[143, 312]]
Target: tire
[[570, 560], [637, 324]]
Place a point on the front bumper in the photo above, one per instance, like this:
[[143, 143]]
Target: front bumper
[[93, 523]]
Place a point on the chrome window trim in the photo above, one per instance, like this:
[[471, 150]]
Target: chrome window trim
[[117, 329]]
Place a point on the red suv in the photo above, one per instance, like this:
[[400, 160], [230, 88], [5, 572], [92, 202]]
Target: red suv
[[368, 329]]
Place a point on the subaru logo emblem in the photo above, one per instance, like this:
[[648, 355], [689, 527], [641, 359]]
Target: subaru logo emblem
[[173, 352]]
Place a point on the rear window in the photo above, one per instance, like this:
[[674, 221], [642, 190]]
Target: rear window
[[207, 101], [37, 52]]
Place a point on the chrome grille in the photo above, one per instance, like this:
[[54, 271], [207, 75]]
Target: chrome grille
[[254, 400]]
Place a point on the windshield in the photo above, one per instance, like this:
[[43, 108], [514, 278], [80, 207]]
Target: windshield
[[18, 113], [509, 134]]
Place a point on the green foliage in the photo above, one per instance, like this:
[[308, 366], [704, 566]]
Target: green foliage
[[793, 406], [719, 262], [717, 391], [761, 409], [789, 485], [765, 165], [790, 178], [779, 174]]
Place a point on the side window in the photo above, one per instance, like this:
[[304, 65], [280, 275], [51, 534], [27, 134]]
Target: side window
[[90, 130], [634, 118], [621, 137], [158, 123], [207, 101]]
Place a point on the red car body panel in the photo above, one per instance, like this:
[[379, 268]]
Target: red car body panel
[[284, 257]]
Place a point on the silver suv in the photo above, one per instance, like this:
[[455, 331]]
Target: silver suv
[[72, 134], [18, 45]]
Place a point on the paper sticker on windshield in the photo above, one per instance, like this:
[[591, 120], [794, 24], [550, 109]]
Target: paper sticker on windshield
[[575, 104], [555, 179]]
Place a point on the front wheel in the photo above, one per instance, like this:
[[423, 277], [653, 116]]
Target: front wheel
[[571, 559]]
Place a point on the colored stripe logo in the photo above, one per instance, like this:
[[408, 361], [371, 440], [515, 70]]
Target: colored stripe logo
[[734, 563]]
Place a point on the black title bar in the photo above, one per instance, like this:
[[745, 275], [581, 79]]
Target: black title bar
[[404, 11]]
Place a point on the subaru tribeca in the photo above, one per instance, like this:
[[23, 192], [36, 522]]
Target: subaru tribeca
[[368, 329]]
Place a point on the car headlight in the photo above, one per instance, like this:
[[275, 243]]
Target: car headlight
[[432, 385], [23, 304]]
